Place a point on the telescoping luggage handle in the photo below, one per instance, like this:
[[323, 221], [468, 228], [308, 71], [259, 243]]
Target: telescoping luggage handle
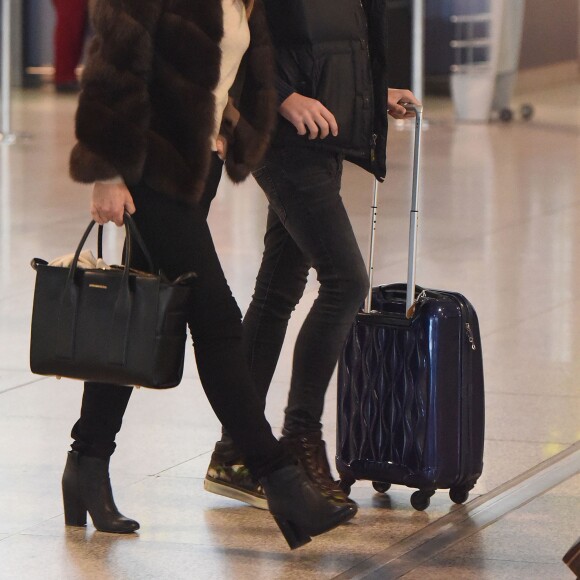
[[413, 222]]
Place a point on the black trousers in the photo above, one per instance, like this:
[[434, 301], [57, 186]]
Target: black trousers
[[178, 239], [308, 227]]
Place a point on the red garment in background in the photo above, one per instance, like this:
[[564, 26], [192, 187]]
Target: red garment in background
[[69, 36]]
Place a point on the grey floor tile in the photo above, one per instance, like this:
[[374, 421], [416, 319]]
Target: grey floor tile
[[536, 356], [80, 556], [28, 498], [570, 488], [532, 418], [540, 532], [504, 460], [10, 380], [526, 543], [472, 569], [177, 516], [30, 494]]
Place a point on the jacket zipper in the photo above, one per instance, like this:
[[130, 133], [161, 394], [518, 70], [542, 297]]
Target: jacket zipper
[[373, 147], [373, 143]]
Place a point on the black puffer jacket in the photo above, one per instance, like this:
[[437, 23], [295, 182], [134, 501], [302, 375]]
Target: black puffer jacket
[[336, 51]]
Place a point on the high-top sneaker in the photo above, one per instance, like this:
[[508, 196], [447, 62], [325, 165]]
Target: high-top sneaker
[[227, 475]]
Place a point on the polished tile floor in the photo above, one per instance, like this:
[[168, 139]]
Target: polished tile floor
[[500, 222]]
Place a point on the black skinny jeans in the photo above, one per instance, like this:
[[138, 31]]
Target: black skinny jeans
[[307, 227], [178, 239]]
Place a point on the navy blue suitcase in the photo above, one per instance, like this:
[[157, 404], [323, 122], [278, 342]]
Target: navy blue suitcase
[[410, 387], [410, 396]]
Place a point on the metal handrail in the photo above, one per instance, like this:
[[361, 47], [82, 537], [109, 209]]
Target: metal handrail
[[5, 80], [5, 94]]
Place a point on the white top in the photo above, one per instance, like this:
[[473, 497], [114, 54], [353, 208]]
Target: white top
[[235, 42]]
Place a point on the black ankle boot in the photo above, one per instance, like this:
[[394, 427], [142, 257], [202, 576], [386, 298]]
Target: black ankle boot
[[300, 509], [86, 488]]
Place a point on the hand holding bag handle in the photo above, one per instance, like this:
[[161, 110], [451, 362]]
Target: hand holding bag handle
[[413, 225], [121, 318], [127, 220]]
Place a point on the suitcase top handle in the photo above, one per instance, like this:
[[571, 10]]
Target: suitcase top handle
[[413, 221]]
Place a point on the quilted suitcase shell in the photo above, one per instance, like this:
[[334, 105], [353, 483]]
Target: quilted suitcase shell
[[410, 395]]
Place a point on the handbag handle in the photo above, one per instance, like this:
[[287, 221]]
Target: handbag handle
[[136, 236], [121, 317]]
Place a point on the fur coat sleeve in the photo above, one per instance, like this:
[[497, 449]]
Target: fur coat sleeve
[[254, 96], [114, 106]]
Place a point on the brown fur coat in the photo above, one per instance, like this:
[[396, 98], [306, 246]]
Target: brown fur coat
[[146, 111]]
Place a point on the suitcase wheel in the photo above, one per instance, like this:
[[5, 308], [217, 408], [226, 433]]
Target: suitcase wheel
[[421, 499], [381, 487], [506, 115], [527, 112], [458, 494], [345, 483]]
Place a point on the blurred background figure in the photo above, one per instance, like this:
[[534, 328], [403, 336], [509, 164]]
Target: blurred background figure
[[69, 36]]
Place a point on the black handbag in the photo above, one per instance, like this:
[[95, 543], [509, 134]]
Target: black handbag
[[118, 325]]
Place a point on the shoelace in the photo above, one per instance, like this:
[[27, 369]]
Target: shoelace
[[318, 468]]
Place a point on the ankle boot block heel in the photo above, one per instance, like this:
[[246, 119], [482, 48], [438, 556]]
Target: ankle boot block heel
[[75, 512], [86, 488], [292, 533], [300, 508]]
